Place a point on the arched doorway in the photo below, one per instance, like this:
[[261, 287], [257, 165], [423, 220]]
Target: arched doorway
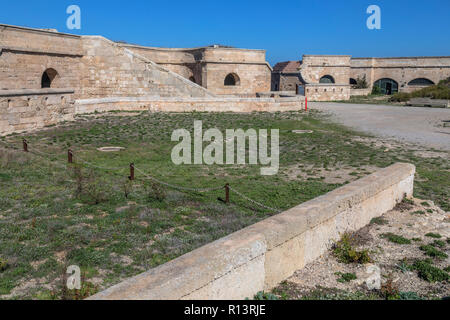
[[47, 78], [387, 86], [232, 79], [353, 81], [327, 79]]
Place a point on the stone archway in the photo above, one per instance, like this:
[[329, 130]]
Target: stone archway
[[48, 77]]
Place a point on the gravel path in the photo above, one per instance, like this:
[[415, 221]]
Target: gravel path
[[422, 126]]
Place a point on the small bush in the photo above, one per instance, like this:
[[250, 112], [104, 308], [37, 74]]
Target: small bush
[[346, 253], [403, 266], [418, 212], [157, 192], [433, 252], [361, 83], [399, 97], [433, 235], [430, 273], [265, 296], [89, 188], [395, 238], [345, 277], [3, 264], [376, 90], [390, 290], [409, 296]]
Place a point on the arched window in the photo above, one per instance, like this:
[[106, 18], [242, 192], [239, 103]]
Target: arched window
[[420, 82], [47, 78], [352, 81], [387, 86], [326, 79], [232, 79]]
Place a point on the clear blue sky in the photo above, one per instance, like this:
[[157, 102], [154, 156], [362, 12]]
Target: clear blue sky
[[285, 28]]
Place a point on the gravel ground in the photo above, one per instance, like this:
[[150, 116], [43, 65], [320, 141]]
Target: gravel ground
[[423, 126], [412, 221]]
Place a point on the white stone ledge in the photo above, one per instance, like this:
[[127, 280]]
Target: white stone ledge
[[179, 99], [262, 255]]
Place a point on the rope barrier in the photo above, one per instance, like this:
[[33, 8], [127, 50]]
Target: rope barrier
[[176, 186], [227, 187]]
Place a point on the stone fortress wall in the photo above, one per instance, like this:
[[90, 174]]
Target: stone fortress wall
[[405, 74], [209, 66], [402, 70], [44, 74]]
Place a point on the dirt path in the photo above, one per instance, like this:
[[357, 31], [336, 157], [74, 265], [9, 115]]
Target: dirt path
[[423, 126]]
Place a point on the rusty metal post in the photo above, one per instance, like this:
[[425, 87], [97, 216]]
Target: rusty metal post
[[131, 177], [227, 193], [70, 156], [25, 145]]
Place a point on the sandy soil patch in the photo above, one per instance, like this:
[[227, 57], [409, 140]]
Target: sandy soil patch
[[410, 221]]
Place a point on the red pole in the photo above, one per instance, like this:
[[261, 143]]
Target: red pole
[[306, 103]]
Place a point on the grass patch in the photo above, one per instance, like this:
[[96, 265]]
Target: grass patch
[[428, 272], [431, 251], [395, 238], [433, 235], [345, 277], [379, 221], [438, 243]]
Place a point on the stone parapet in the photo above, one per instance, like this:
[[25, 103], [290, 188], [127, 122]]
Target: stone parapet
[[262, 255]]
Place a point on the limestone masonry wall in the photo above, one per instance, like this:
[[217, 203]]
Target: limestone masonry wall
[[343, 69], [110, 70], [327, 92], [209, 66], [24, 110], [262, 255], [26, 53], [218, 104]]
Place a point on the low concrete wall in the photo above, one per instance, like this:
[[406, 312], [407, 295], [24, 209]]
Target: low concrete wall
[[30, 109], [327, 92], [360, 92], [262, 255], [219, 104]]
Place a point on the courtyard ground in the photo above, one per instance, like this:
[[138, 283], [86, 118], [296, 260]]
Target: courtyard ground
[[409, 244], [53, 215], [427, 126]]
